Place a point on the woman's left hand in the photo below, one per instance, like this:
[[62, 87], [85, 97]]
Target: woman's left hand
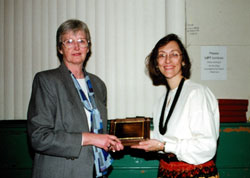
[[104, 141], [150, 145]]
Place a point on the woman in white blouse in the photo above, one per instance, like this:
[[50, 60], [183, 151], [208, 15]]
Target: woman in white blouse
[[186, 118]]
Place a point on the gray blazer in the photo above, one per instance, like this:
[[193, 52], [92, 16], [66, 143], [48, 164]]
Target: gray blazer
[[56, 119]]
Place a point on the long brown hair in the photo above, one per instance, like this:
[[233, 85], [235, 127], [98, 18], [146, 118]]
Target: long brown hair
[[152, 65]]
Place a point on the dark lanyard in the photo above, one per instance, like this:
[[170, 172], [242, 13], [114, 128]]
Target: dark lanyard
[[162, 128]]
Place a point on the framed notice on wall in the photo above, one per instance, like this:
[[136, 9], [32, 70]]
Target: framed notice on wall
[[213, 63]]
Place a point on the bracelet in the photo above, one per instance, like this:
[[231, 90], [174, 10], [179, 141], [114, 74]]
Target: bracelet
[[164, 146], [160, 145]]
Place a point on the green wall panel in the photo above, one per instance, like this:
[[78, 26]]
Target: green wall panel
[[232, 159], [234, 146], [15, 173], [132, 173], [234, 173]]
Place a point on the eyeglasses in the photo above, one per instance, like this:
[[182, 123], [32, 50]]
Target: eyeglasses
[[70, 43], [171, 55]]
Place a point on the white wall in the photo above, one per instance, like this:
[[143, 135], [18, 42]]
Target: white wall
[[221, 23], [123, 33]]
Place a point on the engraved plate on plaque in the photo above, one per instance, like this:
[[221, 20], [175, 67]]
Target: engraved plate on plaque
[[130, 130]]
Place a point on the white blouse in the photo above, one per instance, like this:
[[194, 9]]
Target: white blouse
[[83, 85], [193, 128]]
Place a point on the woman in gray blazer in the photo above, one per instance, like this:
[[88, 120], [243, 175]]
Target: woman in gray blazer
[[67, 114]]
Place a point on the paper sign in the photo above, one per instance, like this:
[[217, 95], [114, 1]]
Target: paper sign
[[213, 63]]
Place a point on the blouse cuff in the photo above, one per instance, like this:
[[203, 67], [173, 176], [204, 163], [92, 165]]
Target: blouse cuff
[[169, 147]]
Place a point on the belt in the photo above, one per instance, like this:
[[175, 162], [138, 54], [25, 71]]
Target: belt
[[169, 157]]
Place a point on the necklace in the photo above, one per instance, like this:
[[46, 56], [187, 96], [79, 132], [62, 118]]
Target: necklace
[[162, 128]]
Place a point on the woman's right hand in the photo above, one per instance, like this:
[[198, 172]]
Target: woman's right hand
[[104, 141], [150, 145]]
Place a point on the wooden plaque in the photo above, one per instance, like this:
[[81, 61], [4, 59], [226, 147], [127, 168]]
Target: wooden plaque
[[130, 130]]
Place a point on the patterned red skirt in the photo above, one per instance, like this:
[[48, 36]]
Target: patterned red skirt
[[179, 169]]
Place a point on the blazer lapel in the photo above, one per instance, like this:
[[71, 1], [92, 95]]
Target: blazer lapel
[[73, 95]]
